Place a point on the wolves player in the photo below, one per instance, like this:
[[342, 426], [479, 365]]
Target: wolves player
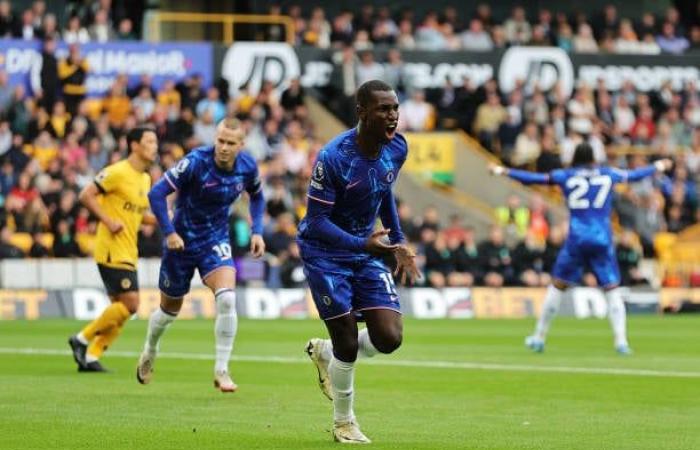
[[351, 185], [208, 180], [587, 188]]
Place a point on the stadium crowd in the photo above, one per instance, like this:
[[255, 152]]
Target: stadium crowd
[[582, 32], [54, 140]]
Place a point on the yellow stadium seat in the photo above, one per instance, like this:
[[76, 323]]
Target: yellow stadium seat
[[86, 242], [46, 240], [663, 243], [23, 241]]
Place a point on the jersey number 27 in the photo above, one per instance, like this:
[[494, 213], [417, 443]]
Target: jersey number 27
[[579, 189]]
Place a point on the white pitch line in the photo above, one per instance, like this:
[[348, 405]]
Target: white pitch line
[[465, 365]]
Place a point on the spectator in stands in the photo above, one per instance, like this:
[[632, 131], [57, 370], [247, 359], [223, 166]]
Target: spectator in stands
[[342, 31], [583, 41], [607, 23], [26, 29], [295, 149], [368, 69], [385, 30], [75, 33], [405, 39], [517, 28], [476, 38], [205, 128], [293, 96], [64, 244], [72, 72], [125, 31], [38, 249], [213, 104], [150, 241], [44, 75], [439, 262], [416, 113], [6, 94], [144, 105], [20, 110], [670, 42], [496, 260], [318, 33], [101, 30], [363, 42], [628, 257], [291, 267], [529, 260], [7, 249], [283, 234], [408, 222], [527, 146], [429, 36], [513, 217], [25, 205], [394, 73], [7, 20], [467, 262], [489, 116]]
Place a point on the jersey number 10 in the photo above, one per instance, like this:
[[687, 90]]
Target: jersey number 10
[[223, 250], [579, 189]]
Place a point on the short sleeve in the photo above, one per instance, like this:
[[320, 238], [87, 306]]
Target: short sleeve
[[321, 186], [108, 179], [181, 173], [557, 177]]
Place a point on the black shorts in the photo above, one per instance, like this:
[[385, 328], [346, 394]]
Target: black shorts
[[118, 281]]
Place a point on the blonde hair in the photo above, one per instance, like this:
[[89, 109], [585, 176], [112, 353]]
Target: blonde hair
[[230, 122]]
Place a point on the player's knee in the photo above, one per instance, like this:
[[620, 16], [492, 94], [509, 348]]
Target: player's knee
[[389, 342], [346, 352], [225, 302], [171, 305], [131, 301]]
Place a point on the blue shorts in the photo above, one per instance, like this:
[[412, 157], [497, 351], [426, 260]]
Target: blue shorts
[[177, 268], [341, 287], [601, 260]]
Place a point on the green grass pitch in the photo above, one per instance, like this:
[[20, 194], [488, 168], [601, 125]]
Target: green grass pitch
[[453, 384]]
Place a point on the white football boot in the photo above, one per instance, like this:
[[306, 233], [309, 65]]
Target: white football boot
[[223, 381], [144, 370], [314, 348], [349, 433]]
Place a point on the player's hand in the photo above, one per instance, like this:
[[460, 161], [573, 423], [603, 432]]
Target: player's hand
[[406, 264], [663, 165], [376, 245], [257, 246], [114, 226], [175, 242], [497, 170]]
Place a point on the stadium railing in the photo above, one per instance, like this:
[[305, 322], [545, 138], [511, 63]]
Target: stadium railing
[[156, 19]]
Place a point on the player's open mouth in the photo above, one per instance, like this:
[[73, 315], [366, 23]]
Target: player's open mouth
[[391, 130]]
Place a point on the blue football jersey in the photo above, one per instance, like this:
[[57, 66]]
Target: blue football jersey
[[588, 193], [205, 194], [353, 186]]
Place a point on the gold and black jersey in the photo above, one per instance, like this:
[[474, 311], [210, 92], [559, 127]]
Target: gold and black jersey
[[124, 198]]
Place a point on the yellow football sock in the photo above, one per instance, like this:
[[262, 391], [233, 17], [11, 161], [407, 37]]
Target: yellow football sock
[[102, 341], [112, 317]]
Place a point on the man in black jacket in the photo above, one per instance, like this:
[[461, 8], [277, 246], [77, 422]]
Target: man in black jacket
[[45, 83]]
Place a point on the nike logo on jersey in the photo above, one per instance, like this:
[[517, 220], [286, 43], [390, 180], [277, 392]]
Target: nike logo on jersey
[[211, 184], [353, 184]]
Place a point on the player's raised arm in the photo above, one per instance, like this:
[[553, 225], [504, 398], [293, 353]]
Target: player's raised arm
[[661, 165], [523, 176]]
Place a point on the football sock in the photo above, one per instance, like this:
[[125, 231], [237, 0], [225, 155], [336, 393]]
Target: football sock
[[157, 324], [82, 339], [617, 315], [101, 342], [342, 376], [225, 326], [552, 300], [113, 316], [366, 349]]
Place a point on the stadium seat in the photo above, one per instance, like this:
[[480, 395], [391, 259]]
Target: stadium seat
[[23, 241]]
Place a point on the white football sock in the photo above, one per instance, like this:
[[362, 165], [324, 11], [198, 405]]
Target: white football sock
[[225, 327], [82, 339], [550, 307], [342, 378], [157, 324], [366, 348], [617, 315]]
